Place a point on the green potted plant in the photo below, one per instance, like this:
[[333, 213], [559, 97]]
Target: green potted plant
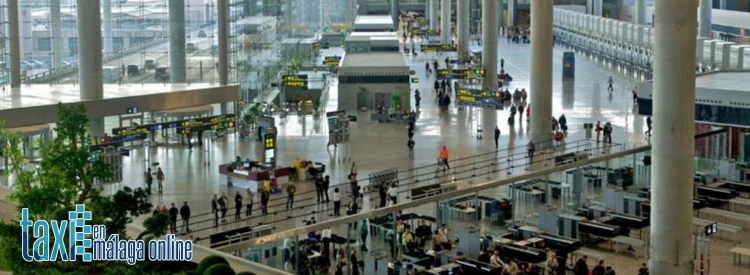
[[316, 107], [254, 110]]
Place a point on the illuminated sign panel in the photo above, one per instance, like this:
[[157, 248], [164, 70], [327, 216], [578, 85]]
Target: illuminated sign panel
[[431, 48], [205, 123], [294, 81]]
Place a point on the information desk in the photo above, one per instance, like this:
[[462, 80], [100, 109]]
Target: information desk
[[253, 179]]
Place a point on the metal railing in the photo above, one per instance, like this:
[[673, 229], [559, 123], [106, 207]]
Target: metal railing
[[237, 246], [477, 167]]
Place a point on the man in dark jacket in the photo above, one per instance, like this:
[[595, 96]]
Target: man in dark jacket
[[185, 214], [173, 219], [423, 232], [319, 187], [581, 268], [497, 135], [326, 185]]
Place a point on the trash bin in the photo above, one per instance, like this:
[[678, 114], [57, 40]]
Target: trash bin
[[587, 127]]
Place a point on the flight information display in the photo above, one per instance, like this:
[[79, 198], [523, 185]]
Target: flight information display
[[459, 74], [222, 121], [433, 48], [295, 81], [332, 61], [478, 98]]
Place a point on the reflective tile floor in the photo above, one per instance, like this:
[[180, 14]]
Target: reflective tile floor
[[192, 175]]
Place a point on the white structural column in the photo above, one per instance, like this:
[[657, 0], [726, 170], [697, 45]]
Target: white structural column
[[14, 35], [434, 15], [590, 6], [598, 7], [57, 39], [723, 4], [672, 158], [489, 44], [541, 71], [90, 49], [463, 16], [107, 25], [445, 21], [90, 58], [640, 12], [704, 25], [511, 13], [177, 55], [223, 30]]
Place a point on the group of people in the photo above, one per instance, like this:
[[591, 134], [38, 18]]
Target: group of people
[[580, 268], [606, 130], [173, 212], [220, 205]]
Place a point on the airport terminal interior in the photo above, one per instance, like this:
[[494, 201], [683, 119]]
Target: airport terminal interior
[[416, 136]]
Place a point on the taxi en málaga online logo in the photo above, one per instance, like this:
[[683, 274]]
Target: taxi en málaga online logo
[[90, 242]]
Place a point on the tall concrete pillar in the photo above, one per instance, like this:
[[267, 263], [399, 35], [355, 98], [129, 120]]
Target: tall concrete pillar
[[434, 15], [177, 66], [511, 13], [462, 26], [289, 15], [704, 25], [672, 184], [500, 16], [223, 29], [445, 21], [90, 58], [395, 13], [89, 49], [640, 12], [598, 7], [14, 36], [489, 44], [57, 46], [541, 71], [107, 25], [723, 4]]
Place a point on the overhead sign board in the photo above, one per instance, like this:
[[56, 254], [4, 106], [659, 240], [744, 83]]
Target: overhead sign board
[[459, 74], [332, 61], [295, 81], [223, 121], [478, 98], [433, 48]]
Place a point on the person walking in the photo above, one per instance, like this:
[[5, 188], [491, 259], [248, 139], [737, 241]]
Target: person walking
[[353, 170], [290, 190], [383, 192], [159, 178], [599, 269], [326, 185], [648, 126], [393, 193], [336, 202], [215, 209], [608, 132], [610, 88], [173, 219], [248, 203], [417, 98], [497, 135], [185, 214], [319, 187], [531, 148], [264, 201], [224, 206], [149, 180], [410, 144], [237, 205], [444, 158]]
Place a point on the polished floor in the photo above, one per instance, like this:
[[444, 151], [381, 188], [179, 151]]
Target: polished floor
[[192, 175]]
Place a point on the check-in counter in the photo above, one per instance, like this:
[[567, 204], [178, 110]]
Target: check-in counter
[[252, 179]]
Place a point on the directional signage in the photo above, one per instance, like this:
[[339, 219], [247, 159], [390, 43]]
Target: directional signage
[[421, 31], [316, 46], [415, 80], [295, 81], [433, 48], [222, 121], [478, 98], [332, 61], [459, 74]]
